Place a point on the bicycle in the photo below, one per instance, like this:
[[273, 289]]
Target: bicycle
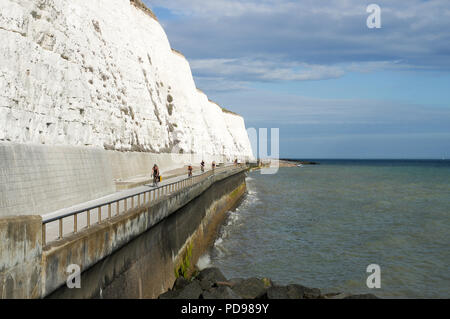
[[155, 180]]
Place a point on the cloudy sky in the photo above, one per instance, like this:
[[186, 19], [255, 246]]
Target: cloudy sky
[[313, 69]]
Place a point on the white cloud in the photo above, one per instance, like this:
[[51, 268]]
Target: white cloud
[[228, 8], [263, 69]]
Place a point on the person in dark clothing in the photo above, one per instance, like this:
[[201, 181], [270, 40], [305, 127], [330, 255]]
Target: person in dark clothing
[[155, 174], [202, 166]]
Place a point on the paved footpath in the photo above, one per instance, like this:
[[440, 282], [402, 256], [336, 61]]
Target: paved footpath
[[52, 229]]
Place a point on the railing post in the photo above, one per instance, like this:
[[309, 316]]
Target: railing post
[[99, 214], [118, 207], [139, 200], [126, 204], [88, 218], [132, 202], [44, 231], [75, 223], [109, 210], [61, 228]]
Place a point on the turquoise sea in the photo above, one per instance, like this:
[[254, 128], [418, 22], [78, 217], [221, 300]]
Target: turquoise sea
[[321, 226]]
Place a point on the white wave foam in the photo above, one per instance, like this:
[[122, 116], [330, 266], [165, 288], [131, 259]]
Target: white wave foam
[[204, 262], [220, 251], [218, 241]]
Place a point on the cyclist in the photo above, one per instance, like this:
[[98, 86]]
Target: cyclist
[[190, 170], [202, 166], [155, 174]]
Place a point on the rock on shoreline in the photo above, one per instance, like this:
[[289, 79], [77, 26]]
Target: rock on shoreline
[[210, 283]]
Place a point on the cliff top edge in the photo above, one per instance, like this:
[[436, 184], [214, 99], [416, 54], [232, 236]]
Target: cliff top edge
[[140, 5]]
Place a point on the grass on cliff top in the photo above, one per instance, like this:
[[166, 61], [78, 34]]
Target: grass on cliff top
[[228, 111], [139, 4], [223, 109]]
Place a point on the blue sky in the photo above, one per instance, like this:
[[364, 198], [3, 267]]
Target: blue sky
[[334, 87]]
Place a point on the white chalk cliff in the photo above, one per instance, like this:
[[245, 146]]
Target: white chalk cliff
[[102, 73]]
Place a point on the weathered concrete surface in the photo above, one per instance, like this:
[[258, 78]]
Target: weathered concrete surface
[[20, 257], [136, 255], [38, 179], [41, 179]]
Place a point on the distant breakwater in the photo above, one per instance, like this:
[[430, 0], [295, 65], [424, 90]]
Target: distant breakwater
[[296, 161]]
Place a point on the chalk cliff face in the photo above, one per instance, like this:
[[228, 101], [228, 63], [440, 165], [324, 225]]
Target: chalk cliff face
[[102, 73]]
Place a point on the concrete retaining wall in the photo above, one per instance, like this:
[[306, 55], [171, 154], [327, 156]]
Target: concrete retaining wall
[[20, 257], [137, 255], [40, 179], [37, 179]]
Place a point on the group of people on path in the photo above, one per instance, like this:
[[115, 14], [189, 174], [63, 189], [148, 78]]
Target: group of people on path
[[202, 167], [157, 177]]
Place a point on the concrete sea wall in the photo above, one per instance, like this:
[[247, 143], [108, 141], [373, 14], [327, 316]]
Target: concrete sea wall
[[134, 255], [20, 257]]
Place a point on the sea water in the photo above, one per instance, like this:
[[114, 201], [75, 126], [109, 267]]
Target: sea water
[[322, 226]]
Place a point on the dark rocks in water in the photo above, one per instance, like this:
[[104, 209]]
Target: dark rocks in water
[[277, 292], [362, 296], [335, 295], [293, 292], [191, 291], [213, 275], [302, 292], [221, 292], [252, 288], [171, 294], [235, 281], [210, 283], [206, 284], [180, 283]]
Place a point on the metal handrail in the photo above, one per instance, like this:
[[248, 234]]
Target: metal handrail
[[158, 193]]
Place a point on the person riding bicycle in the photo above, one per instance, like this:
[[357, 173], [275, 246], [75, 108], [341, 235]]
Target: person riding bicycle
[[202, 166], [189, 170], [155, 174]]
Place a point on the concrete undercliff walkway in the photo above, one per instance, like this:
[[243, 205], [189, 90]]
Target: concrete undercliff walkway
[[130, 244], [52, 230]]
